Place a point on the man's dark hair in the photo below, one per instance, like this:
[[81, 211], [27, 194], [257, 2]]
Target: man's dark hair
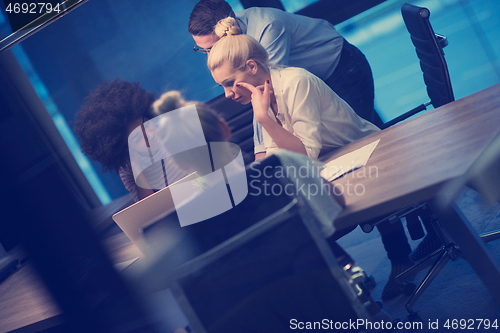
[[101, 123], [206, 14]]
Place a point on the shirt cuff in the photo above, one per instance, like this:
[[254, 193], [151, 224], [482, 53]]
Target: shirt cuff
[[259, 149]]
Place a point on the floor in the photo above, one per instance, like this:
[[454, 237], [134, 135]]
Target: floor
[[456, 293]]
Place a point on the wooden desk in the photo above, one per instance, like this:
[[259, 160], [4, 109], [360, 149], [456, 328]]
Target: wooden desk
[[26, 305], [415, 158]]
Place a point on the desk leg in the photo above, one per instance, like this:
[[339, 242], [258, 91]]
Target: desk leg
[[473, 248]]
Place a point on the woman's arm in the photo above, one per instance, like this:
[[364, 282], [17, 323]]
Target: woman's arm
[[144, 192], [261, 101], [259, 156], [137, 192], [303, 99], [283, 138]]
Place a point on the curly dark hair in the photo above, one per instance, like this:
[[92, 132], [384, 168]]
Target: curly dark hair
[[206, 14], [101, 123]]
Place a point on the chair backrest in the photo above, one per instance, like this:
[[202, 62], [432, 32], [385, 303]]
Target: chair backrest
[[429, 47], [430, 52], [240, 120]]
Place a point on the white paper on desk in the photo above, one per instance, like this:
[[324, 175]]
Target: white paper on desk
[[348, 162]]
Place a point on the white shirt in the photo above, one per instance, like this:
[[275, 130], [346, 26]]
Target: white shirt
[[313, 112]]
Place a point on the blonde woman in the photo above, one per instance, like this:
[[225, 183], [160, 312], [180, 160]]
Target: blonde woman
[[296, 109]]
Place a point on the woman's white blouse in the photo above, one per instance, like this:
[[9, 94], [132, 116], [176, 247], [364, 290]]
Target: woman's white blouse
[[313, 112]]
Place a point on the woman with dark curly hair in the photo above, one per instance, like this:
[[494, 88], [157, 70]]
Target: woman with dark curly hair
[[104, 122], [113, 110]]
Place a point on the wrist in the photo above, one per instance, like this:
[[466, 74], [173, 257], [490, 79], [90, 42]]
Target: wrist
[[268, 124], [264, 120]]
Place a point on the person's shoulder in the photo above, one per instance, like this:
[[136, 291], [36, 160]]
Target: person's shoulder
[[264, 13], [293, 79], [295, 74], [124, 170]]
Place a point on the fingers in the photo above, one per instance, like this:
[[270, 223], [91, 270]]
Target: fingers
[[247, 86], [253, 88], [266, 88], [261, 88]]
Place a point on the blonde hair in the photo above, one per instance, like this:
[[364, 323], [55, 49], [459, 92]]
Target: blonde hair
[[211, 122], [235, 47], [227, 26], [169, 101]]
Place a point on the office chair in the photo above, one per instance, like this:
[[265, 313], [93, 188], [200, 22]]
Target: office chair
[[429, 47], [240, 120], [269, 248], [483, 176]]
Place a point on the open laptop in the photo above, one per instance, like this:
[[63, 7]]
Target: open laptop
[[146, 212]]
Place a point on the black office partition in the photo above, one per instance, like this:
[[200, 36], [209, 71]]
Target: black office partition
[[333, 11], [30, 141], [337, 11], [44, 210], [262, 3]]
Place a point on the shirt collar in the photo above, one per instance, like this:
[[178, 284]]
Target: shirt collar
[[243, 25]]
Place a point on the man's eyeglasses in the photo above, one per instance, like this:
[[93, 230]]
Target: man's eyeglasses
[[201, 50]]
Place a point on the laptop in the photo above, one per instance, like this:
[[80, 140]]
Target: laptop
[[133, 219]]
